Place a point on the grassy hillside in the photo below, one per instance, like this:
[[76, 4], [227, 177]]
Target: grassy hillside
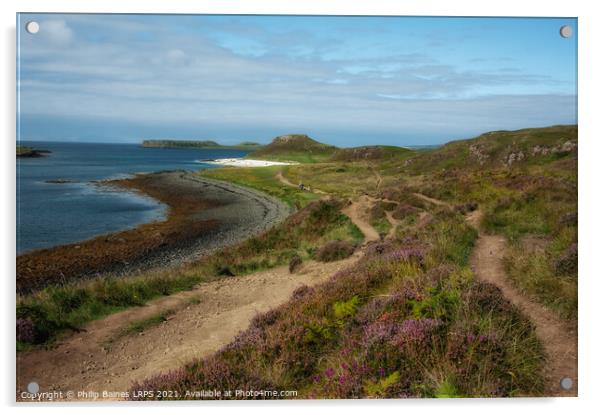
[[294, 147], [207, 144], [525, 181], [372, 153], [526, 184], [498, 149]]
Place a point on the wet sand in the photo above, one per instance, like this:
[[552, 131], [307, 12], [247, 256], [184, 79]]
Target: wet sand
[[203, 215]]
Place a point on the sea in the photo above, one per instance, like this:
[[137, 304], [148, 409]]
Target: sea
[[77, 208]]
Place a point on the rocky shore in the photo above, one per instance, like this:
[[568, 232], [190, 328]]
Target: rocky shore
[[203, 215]]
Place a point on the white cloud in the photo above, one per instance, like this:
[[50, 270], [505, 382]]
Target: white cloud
[[56, 32], [161, 75]]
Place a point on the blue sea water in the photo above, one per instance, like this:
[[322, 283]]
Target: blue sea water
[[50, 214]]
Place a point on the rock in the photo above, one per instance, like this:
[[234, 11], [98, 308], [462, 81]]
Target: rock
[[476, 151], [514, 157], [60, 181], [540, 150], [568, 146]]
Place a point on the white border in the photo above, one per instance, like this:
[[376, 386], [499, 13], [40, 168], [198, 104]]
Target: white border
[[590, 153]]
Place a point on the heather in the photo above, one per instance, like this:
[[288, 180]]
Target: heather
[[525, 184], [335, 251], [407, 320]]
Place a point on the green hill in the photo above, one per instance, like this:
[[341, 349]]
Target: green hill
[[295, 147], [207, 144], [497, 149], [370, 153]]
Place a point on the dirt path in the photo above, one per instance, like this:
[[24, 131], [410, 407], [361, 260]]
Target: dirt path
[[201, 321], [559, 340], [287, 182], [431, 200], [209, 317], [379, 178], [394, 223], [284, 180], [358, 213]]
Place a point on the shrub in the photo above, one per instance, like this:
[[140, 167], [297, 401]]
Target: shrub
[[295, 263], [25, 330], [335, 250], [567, 263], [404, 210], [466, 207]]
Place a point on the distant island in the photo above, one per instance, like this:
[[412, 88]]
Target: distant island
[[207, 144], [24, 151]]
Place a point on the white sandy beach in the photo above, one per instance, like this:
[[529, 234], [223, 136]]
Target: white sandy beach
[[246, 162]]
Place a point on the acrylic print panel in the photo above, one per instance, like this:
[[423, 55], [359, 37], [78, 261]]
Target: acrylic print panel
[[308, 207]]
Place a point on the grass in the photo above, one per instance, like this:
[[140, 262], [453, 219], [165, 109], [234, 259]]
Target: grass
[[57, 309], [264, 179], [536, 271], [378, 219], [405, 321]]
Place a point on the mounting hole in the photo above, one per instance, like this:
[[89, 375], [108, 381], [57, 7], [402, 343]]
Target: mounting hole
[[566, 383], [33, 387], [566, 31], [32, 27]]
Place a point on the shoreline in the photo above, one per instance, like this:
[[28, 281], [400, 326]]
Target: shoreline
[[241, 162], [202, 215]]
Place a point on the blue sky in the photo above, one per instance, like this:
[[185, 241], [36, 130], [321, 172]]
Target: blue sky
[[343, 80]]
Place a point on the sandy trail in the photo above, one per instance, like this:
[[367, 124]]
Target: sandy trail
[[394, 223], [100, 359], [431, 200], [558, 338], [284, 180], [287, 182], [358, 213]]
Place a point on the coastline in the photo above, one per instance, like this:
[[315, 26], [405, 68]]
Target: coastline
[[241, 162], [203, 215]]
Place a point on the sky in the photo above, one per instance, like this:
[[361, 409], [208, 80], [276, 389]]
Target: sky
[[346, 81]]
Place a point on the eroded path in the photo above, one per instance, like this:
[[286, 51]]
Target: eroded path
[[358, 213], [209, 317], [558, 338], [200, 322]]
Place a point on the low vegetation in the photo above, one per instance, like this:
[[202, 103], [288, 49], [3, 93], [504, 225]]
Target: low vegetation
[[408, 320], [335, 251], [379, 220], [264, 179]]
